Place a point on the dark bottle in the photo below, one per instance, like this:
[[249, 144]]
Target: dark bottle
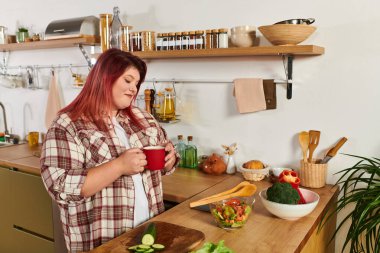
[[191, 157], [180, 147]]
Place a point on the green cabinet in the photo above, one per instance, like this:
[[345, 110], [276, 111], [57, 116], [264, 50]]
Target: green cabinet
[[26, 222]]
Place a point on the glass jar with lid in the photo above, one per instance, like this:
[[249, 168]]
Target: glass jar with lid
[[178, 40], [159, 42], [215, 38], [223, 38], [171, 41], [104, 25], [199, 39], [192, 40], [165, 42], [208, 39], [185, 40], [148, 40], [136, 41], [124, 37]]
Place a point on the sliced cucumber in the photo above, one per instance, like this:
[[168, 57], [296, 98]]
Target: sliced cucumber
[[158, 246], [149, 235], [143, 246], [149, 250], [133, 248], [141, 250]]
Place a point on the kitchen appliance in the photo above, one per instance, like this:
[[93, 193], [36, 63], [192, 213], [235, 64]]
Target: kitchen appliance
[[72, 28], [297, 21]]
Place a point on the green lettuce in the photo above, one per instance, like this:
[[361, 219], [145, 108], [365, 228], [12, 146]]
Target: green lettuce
[[210, 247]]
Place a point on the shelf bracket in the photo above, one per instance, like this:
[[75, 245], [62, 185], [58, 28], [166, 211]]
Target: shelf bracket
[[85, 54], [288, 66]]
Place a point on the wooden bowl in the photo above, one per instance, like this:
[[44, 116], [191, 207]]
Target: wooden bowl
[[286, 34]]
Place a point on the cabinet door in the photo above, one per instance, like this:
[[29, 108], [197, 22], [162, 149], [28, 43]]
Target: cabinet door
[[31, 204], [30, 243], [5, 212]]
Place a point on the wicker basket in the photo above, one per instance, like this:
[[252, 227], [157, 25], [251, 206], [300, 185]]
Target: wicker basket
[[313, 175], [254, 175]]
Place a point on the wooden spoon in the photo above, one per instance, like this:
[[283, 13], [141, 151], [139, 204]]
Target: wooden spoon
[[303, 139], [245, 191], [313, 142], [234, 189]]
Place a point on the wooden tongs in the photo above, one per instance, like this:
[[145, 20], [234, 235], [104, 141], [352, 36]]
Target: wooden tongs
[[244, 189]]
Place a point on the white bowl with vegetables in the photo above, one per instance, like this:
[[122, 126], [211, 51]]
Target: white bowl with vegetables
[[292, 211]]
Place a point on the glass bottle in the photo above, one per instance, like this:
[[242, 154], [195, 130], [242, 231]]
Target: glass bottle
[[104, 26], [208, 39], [223, 38], [115, 29], [191, 157], [169, 105], [180, 147]]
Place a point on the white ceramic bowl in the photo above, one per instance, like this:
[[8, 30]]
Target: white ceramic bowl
[[291, 212]]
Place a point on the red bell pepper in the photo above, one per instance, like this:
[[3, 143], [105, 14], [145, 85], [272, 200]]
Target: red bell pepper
[[291, 177]]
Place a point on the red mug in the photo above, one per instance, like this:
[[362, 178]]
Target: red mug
[[155, 157]]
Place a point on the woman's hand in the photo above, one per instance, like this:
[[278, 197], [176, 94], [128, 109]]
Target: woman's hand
[[132, 161], [170, 158]]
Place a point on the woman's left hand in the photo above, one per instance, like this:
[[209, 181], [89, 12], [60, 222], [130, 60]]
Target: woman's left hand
[[170, 158]]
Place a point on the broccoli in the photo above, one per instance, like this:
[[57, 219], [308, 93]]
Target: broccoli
[[283, 193]]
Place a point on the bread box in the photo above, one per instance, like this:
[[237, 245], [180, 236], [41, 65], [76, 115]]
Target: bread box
[[72, 28]]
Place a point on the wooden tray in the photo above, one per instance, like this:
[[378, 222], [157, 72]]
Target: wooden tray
[[176, 239]]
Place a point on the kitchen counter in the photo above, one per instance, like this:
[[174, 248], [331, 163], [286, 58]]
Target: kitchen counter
[[262, 233]]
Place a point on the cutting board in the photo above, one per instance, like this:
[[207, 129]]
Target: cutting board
[[177, 239]]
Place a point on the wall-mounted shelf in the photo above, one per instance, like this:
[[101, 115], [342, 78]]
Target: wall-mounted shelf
[[46, 44], [234, 51]]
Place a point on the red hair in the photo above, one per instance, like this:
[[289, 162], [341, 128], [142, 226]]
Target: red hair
[[94, 102]]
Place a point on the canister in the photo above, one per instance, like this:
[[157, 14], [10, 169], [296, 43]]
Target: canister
[[124, 37], [105, 22], [3, 35], [148, 40]]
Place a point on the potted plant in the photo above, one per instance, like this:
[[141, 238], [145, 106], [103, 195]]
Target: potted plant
[[360, 186], [22, 34]]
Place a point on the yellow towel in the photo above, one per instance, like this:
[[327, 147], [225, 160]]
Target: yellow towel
[[53, 102], [249, 93]]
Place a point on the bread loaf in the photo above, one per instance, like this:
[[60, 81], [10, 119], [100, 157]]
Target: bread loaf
[[254, 165]]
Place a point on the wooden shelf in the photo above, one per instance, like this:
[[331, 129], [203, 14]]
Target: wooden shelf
[[46, 44], [235, 51]]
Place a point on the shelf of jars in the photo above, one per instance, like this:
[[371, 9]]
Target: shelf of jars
[[234, 51], [46, 44]]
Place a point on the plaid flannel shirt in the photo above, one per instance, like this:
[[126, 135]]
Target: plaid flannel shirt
[[69, 150]]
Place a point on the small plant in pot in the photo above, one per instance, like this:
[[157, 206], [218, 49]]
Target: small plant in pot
[[360, 186], [22, 34]]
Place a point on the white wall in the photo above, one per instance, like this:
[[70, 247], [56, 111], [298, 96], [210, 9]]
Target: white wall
[[336, 93]]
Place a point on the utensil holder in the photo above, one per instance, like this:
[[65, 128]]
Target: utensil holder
[[313, 175]]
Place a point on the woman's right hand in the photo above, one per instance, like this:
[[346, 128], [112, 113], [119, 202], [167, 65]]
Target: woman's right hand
[[132, 161]]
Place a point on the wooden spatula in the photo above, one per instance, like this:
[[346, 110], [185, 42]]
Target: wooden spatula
[[234, 189], [245, 191], [303, 138], [313, 142]]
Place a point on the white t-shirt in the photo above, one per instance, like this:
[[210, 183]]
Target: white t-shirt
[[141, 212]]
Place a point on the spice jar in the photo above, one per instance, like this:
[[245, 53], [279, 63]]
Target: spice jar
[[104, 26], [124, 37], [223, 38], [165, 42], [185, 40], [208, 39], [178, 40], [199, 39], [171, 41], [215, 38], [136, 41], [148, 40], [192, 40], [159, 42]]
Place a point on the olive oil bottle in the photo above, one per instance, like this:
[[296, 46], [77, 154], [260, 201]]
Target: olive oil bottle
[[191, 156], [180, 147]]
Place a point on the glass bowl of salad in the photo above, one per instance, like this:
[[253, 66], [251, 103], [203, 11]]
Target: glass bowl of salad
[[232, 213]]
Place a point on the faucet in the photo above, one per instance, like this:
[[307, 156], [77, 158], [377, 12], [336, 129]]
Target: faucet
[[5, 120]]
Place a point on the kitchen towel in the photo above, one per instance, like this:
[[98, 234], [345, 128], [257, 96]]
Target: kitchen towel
[[249, 93], [53, 102], [270, 94]]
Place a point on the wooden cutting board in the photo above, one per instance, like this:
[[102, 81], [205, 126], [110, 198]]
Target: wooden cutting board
[[177, 239]]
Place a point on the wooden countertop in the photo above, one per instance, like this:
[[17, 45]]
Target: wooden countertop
[[262, 233], [178, 187]]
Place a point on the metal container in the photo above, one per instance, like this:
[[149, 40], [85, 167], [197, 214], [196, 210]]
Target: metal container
[[72, 28], [297, 21]]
